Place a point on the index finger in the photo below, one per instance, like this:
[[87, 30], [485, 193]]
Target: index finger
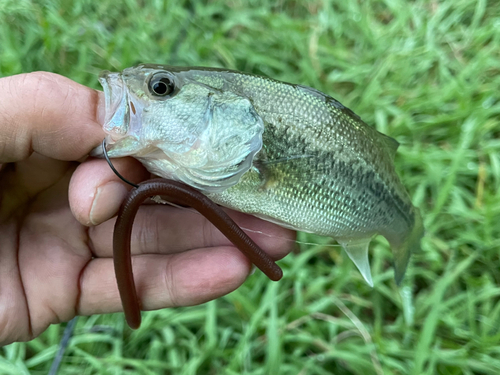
[[49, 114]]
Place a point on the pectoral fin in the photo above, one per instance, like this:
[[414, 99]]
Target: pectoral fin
[[358, 252]]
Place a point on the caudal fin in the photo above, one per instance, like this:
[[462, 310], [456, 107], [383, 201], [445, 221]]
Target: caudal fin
[[402, 248]]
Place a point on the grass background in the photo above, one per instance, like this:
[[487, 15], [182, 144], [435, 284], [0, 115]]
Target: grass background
[[425, 72]]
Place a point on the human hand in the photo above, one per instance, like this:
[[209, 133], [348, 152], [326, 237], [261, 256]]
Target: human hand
[[56, 219]]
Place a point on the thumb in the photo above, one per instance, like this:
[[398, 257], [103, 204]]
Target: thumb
[[49, 114]]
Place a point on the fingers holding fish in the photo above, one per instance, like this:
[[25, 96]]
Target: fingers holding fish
[[162, 281], [163, 229]]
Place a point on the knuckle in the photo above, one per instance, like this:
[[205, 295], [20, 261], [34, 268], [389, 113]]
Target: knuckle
[[148, 232], [208, 233], [170, 285], [20, 110], [14, 325]]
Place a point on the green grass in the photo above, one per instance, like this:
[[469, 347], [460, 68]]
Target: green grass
[[424, 72]]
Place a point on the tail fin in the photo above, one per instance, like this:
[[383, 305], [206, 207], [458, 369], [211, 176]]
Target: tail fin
[[403, 247]]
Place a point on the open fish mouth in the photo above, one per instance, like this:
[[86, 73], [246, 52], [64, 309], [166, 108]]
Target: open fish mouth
[[117, 117], [118, 121]]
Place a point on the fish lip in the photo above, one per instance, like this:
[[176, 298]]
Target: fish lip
[[117, 117], [122, 116]]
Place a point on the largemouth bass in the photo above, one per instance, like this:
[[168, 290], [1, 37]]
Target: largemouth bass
[[283, 152]]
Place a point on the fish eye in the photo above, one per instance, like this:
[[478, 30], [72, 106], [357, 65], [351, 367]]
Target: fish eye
[[161, 85]]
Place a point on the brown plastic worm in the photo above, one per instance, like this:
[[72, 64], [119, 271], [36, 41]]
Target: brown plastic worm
[[188, 196]]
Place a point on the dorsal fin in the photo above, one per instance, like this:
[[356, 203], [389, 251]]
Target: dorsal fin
[[391, 145]]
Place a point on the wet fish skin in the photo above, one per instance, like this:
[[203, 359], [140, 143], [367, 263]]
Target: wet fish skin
[[318, 167]]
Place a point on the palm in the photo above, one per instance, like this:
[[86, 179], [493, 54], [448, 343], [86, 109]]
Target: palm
[[56, 268]]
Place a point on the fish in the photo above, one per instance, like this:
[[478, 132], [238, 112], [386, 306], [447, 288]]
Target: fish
[[283, 152]]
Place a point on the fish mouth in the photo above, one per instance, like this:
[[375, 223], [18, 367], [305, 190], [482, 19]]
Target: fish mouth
[[117, 116]]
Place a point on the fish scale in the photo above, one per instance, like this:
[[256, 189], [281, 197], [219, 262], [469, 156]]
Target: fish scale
[[298, 157]]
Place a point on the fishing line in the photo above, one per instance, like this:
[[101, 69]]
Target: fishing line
[[289, 240], [158, 200], [162, 201], [68, 332]]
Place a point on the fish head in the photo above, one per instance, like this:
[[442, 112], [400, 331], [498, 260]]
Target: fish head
[[181, 124]]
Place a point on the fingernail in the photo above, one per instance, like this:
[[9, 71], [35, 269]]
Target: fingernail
[[107, 201]]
